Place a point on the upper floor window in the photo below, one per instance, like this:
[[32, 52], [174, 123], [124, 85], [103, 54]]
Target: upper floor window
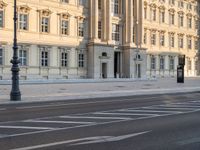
[[180, 41], [162, 39], [172, 2], [162, 16], [189, 22], [65, 1], [1, 18], [153, 38], [189, 43], [171, 40], [189, 6], [145, 37], [81, 29], [189, 64], [99, 4], [81, 2], [23, 21], [145, 13], [181, 4], [99, 29], [171, 19], [45, 24], [181, 20], [115, 32], [64, 27], [196, 46], [153, 14], [1, 56], [115, 7]]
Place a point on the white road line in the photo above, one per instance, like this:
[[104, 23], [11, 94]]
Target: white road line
[[58, 122], [124, 114], [151, 111], [181, 106], [26, 127], [88, 117], [78, 103], [2, 109], [167, 108], [85, 140]]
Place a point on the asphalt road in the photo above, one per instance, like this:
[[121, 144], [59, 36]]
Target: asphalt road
[[155, 122]]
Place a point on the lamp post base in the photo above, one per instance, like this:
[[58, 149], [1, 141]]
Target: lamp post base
[[15, 96]]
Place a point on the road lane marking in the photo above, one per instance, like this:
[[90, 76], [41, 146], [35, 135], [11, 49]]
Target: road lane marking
[[26, 127], [111, 138], [167, 108], [123, 114], [88, 117], [58, 122], [88, 140], [151, 111]]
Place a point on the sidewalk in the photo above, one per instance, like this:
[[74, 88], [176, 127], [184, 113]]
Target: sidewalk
[[45, 90]]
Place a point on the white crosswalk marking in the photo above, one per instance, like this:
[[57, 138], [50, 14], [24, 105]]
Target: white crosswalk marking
[[123, 114], [27, 127], [90, 117], [151, 111], [58, 122]]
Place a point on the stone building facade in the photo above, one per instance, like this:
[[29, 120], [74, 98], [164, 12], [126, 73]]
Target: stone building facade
[[60, 39]]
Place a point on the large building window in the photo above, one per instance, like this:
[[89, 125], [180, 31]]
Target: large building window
[[153, 14], [115, 32], [81, 60], [45, 24], [180, 41], [1, 18], [115, 7], [171, 63], [171, 40], [189, 22], [81, 29], [181, 20], [162, 39], [1, 56], [162, 63], [99, 29], [23, 56], [171, 19], [189, 64], [189, 43], [65, 1], [64, 57], [23, 21], [145, 37], [99, 4], [153, 62], [153, 38], [64, 27], [44, 59], [162, 16]]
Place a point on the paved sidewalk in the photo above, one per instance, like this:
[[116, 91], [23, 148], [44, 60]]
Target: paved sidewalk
[[33, 91]]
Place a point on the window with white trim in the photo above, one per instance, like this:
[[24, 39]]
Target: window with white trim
[[22, 56], [115, 32], [153, 38], [162, 39], [23, 21], [162, 62], [64, 57], [81, 29], [171, 62], [45, 24], [64, 27], [153, 62], [44, 58], [1, 18], [81, 60]]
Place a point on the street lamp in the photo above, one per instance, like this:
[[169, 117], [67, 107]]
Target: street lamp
[[15, 94]]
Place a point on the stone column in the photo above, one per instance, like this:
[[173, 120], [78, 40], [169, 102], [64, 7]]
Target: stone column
[[104, 21], [109, 21]]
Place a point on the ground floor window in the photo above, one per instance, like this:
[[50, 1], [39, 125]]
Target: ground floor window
[[81, 60], [44, 59], [1, 56], [171, 63], [64, 58], [162, 63], [153, 62]]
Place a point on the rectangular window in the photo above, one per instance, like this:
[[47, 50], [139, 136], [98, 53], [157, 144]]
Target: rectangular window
[[1, 19], [81, 29], [162, 17], [115, 32], [64, 59], [145, 13], [162, 63], [196, 45], [45, 24], [181, 4], [171, 40], [65, 1], [189, 64], [180, 42], [64, 27], [189, 23], [23, 57], [115, 7], [153, 39], [171, 63], [189, 43], [181, 20], [1, 56], [81, 2], [81, 60], [171, 19], [145, 37], [44, 57], [153, 62], [99, 29], [99, 4], [162, 40], [23, 21], [154, 14]]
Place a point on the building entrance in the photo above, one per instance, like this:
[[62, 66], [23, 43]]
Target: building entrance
[[117, 62], [138, 70], [104, 70]]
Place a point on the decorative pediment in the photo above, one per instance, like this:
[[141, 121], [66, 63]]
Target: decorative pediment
[[65, 15], [171, 10], [45, 12], [161, 8], [162, 31], [189, 15], [153, 5], [2, 4], [145, 4], [81, 18], [24, 8], [180, 34], [172, 33], [180, 12]]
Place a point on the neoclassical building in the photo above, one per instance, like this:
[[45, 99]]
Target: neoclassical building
[[60, 39]]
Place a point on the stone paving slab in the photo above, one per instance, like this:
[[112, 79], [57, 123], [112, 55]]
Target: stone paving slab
[[52, 91]]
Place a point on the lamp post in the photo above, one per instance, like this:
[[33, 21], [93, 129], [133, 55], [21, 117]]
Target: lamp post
[[15, 94]]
